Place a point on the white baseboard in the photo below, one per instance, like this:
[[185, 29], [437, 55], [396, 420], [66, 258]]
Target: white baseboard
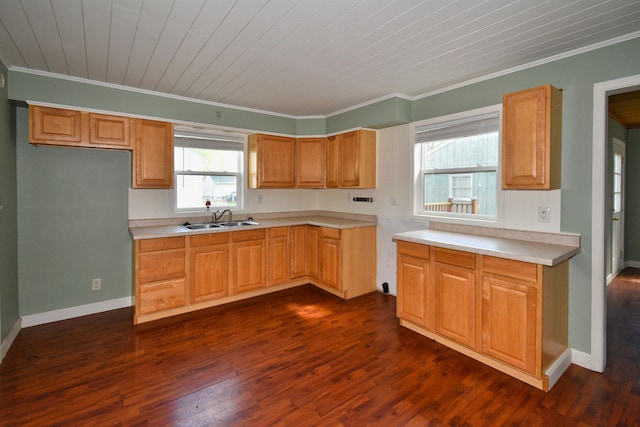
[[71, 312], [581, 359], [558, 367], [633, 264], [13, 333]]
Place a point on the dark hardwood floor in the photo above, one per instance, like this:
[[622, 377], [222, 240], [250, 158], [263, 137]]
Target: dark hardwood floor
[[300, 357]]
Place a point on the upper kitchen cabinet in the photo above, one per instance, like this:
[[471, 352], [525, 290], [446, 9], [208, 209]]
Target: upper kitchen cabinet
[[532, 139], [153, 154], [59, 126], [310, 162], [271, 161], [351, 160]]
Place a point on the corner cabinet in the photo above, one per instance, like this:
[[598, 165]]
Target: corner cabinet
[[153, 154], [510, 315], [346, 160], [532, 139]]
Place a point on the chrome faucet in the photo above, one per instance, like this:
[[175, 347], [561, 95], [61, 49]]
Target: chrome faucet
[[215, 217]]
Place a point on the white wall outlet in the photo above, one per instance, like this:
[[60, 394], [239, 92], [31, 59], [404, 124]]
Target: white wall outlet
[[544, 215], [96, 284]]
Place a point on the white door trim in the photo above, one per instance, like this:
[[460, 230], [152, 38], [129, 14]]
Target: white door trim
[[598, 277]]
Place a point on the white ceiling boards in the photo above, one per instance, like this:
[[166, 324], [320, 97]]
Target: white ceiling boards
[[299, 57]]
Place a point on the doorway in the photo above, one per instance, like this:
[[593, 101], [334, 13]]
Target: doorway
[[601, 93], [617, 216]]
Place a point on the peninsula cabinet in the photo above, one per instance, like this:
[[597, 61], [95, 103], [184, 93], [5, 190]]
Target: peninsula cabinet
[[330, 252], [160, 275], [415, 286], [58, 126], [532, 139], [508, 314], [351, 160], [271, 161], [153, 154], [455, 293]]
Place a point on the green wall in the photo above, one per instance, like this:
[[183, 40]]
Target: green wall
[[73, 224], [97, 246], [632, 198], [8, 201]]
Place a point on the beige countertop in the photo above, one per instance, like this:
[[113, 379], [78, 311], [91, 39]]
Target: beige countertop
[[140, 232], [538, 252]]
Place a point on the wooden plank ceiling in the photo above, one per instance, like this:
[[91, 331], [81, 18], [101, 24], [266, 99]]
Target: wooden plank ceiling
[[625, 108], [299, 57]]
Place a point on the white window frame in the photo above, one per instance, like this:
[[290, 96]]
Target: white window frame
[[212, 134], [417, 192], [452, 187]]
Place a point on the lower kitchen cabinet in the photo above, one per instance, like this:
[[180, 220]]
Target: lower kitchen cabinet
[[249, 260], [279, 259], [511, 315], [160, 275], [330, 252], [209, 266], [175, 275], [414, 285], [455, 289]]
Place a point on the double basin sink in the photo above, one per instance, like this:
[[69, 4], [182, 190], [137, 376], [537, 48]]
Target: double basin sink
[[228, 224]]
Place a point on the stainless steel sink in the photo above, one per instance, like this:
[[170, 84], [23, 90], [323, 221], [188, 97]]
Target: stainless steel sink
[[228, 224]]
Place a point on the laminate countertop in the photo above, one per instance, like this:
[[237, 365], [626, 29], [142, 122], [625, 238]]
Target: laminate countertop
[[175, 230], [537, 252]]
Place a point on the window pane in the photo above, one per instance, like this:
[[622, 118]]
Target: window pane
[[470, 151], [482, 194], [204, 160], [196, 190]]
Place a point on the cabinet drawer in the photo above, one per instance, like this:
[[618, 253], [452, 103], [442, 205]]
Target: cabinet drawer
[[243, 236], [510, 268], [457, 258], [413, 249], [155, 266], [161, 295], [279, 232], [331, 233], [149, 245], [210, 239]]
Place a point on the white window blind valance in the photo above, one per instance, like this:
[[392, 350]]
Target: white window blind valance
[[204, 141], [475, 125]]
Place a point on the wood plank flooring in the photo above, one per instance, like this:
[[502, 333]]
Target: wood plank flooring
[[299, 357]]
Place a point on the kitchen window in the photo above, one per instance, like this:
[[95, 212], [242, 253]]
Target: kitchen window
[[457, 165], [208, 171]]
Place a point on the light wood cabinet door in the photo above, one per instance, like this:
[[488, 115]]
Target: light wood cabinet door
[[310, 162], [153, 154], [314, 257], [55, 126], [357, 159], [330, 258], [413, 283], [509, 322], [299, 251], [332, 179], [271, 161], [279, 259], [110, 131], [209, 266], [531, 139], [455, 303], [249, 260]]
